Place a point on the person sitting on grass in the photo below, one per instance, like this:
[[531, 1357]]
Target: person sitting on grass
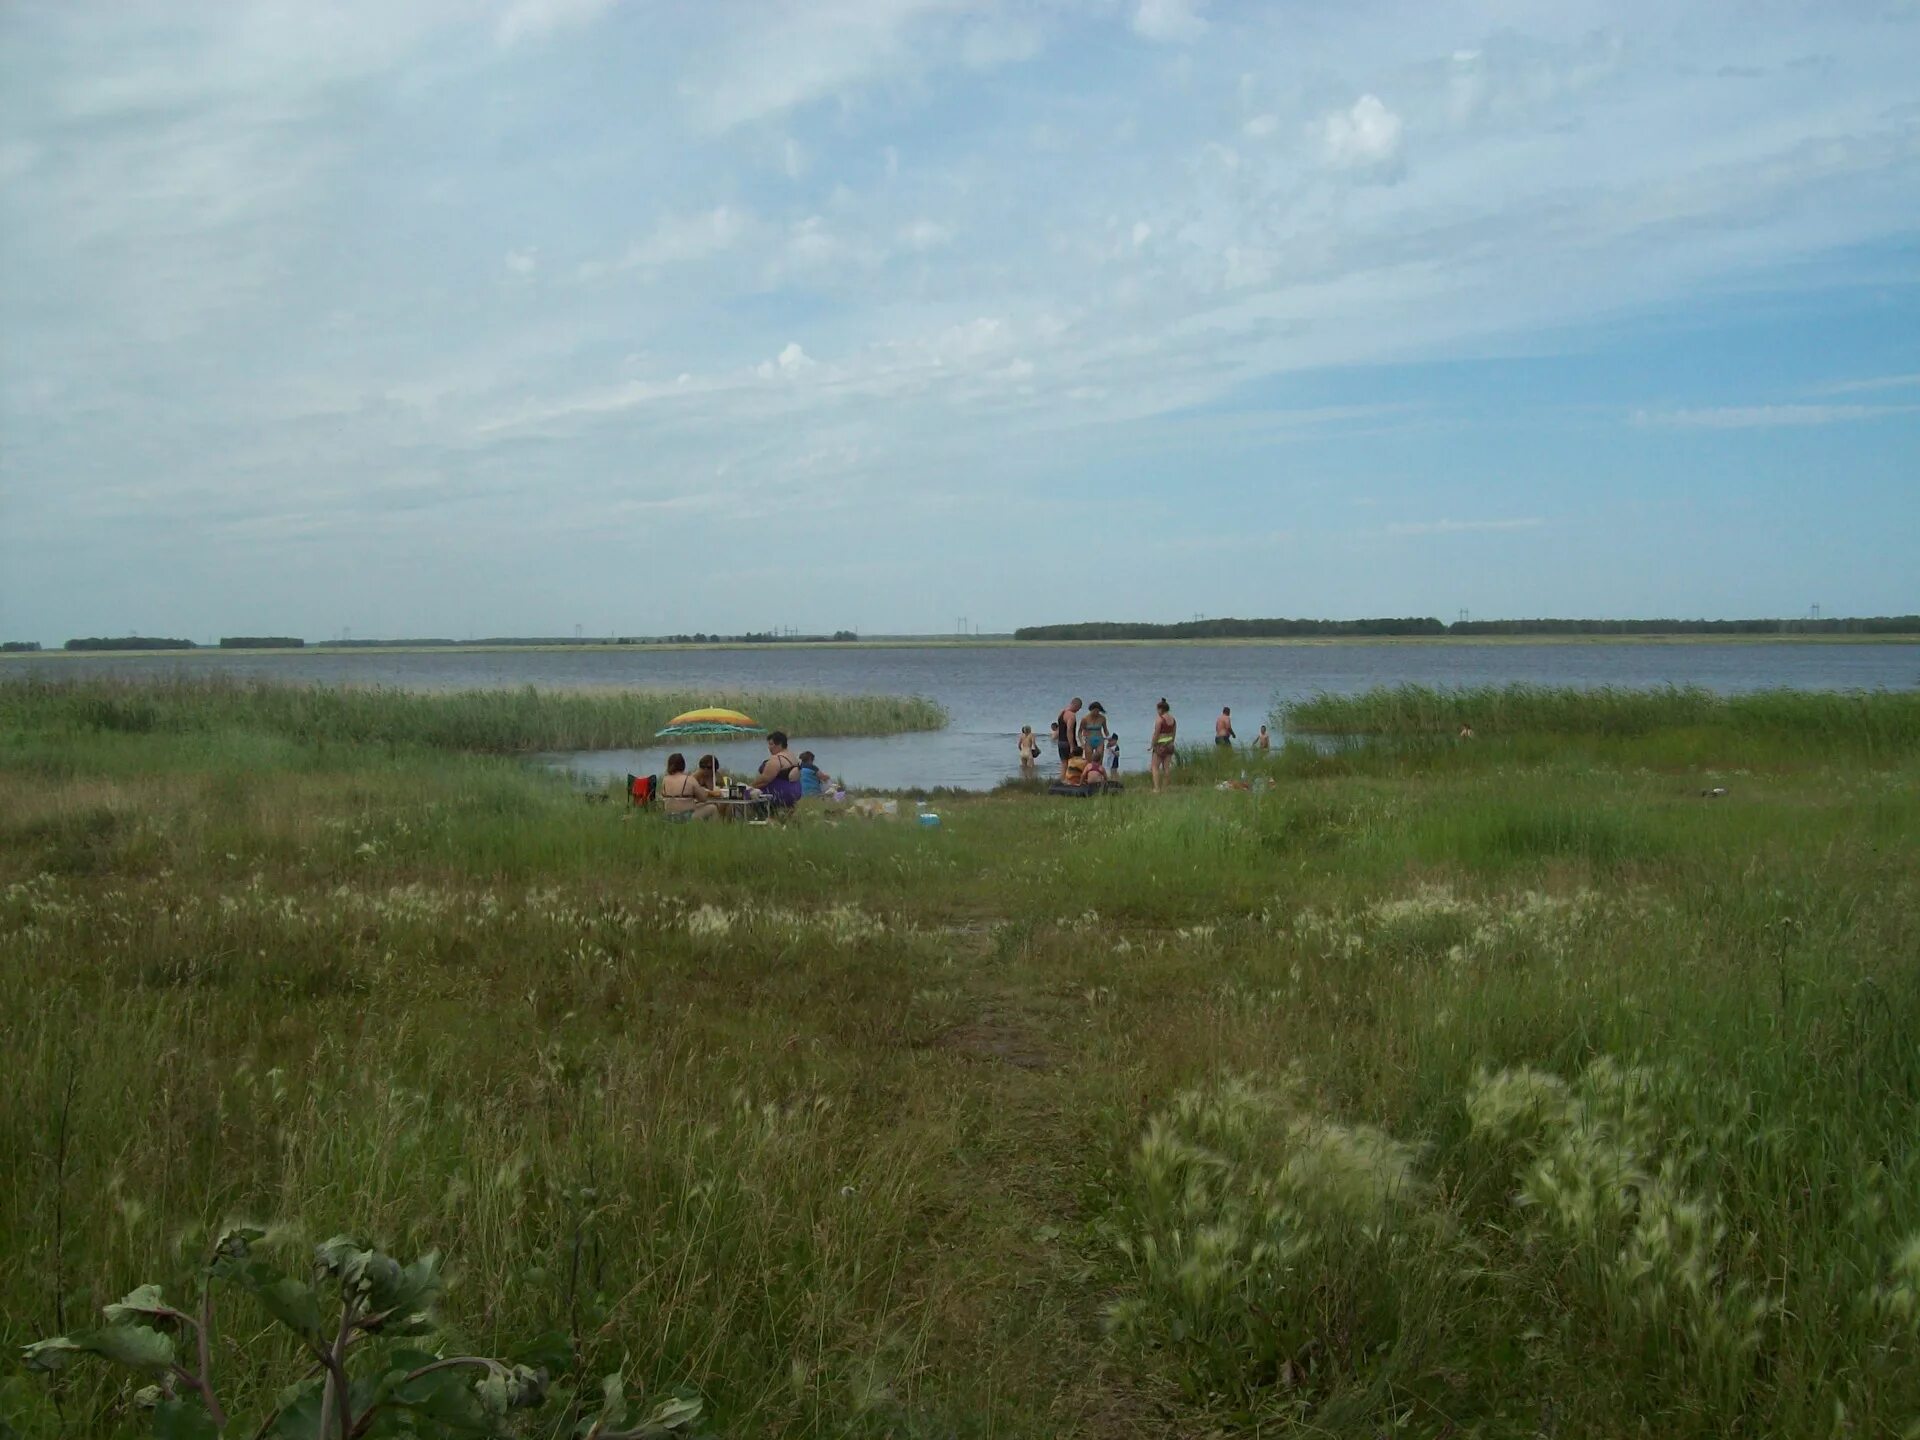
[[708, 773], [682, 796], [813, 780], [1094, 776], [779, 777]]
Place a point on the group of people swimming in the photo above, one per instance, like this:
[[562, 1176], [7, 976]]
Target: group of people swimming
[[783, 780], [1089, 747]]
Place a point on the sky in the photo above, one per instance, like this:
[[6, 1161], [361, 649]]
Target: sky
[[451, 318]]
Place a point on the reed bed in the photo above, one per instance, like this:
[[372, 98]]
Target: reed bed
[[1853, 719], [503, 721]]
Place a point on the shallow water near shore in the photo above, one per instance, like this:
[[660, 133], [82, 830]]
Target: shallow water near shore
[[990, 691]]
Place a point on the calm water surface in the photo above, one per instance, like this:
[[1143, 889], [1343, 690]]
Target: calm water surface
[[991, 691]]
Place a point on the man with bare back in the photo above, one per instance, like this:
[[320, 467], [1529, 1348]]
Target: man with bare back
[[1067, 741]]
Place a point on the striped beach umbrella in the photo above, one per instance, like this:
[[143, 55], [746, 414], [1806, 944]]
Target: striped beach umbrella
[[713, 722]]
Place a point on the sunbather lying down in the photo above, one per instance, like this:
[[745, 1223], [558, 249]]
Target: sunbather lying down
[[1083, 780]]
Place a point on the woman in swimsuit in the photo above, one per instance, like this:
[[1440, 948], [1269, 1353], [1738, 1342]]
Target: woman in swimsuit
[[1093, 733], [780, 773], [1160, 748], [684, 797], [1029, 752]]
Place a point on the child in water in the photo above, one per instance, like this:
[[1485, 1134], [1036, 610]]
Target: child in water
[[1029, 751]]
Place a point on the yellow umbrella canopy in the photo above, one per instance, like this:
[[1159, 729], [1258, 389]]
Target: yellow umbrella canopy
[[711, 720]]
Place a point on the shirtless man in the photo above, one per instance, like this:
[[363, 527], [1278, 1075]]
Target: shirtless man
[[1263, 741], [1223, 727], [1067, 741]]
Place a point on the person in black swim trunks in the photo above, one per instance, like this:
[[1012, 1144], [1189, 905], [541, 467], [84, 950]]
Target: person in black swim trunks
[[1067, 738], [1223, 727]]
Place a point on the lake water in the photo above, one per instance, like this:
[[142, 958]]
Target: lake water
[[990, 691]]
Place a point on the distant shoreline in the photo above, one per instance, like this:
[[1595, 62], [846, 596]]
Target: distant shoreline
[[983, 642]]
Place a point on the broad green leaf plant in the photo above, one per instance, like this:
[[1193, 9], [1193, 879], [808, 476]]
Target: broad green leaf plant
[[365, 1323]]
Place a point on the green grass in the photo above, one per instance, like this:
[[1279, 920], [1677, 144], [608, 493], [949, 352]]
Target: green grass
[[1864, 720], [1498, 1089], [499, 721]]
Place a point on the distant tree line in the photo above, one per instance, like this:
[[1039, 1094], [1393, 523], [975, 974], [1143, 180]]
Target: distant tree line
[[1427, 625], [261, 642], [379, 644], [18, 647], [1853, 625], [751, 637], [129, 642], [1228, 629]]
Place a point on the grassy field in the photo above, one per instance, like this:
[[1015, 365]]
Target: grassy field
[[1505, 1088]]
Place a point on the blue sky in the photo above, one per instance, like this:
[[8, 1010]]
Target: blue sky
[[445, 318]]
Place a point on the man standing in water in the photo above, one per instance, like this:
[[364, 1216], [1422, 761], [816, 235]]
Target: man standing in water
[[1223, 727], [1068, 738]]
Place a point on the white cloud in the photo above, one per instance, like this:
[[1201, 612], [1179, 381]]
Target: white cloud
[[523, 262], [1260, 127], [1878, 382], [811, 244], [526, 20], [786, 57], [791, 363], [677, 240], [1170, 21], [926, 235], [1764, 417], [1142, 232], [1000, 40], [1463, 527], [1365, 137]]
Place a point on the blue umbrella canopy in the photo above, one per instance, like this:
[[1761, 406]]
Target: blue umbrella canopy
[[712, 722]]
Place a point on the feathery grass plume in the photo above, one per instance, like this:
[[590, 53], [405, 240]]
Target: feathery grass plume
[[1611, 1183], [1265, 1249]]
